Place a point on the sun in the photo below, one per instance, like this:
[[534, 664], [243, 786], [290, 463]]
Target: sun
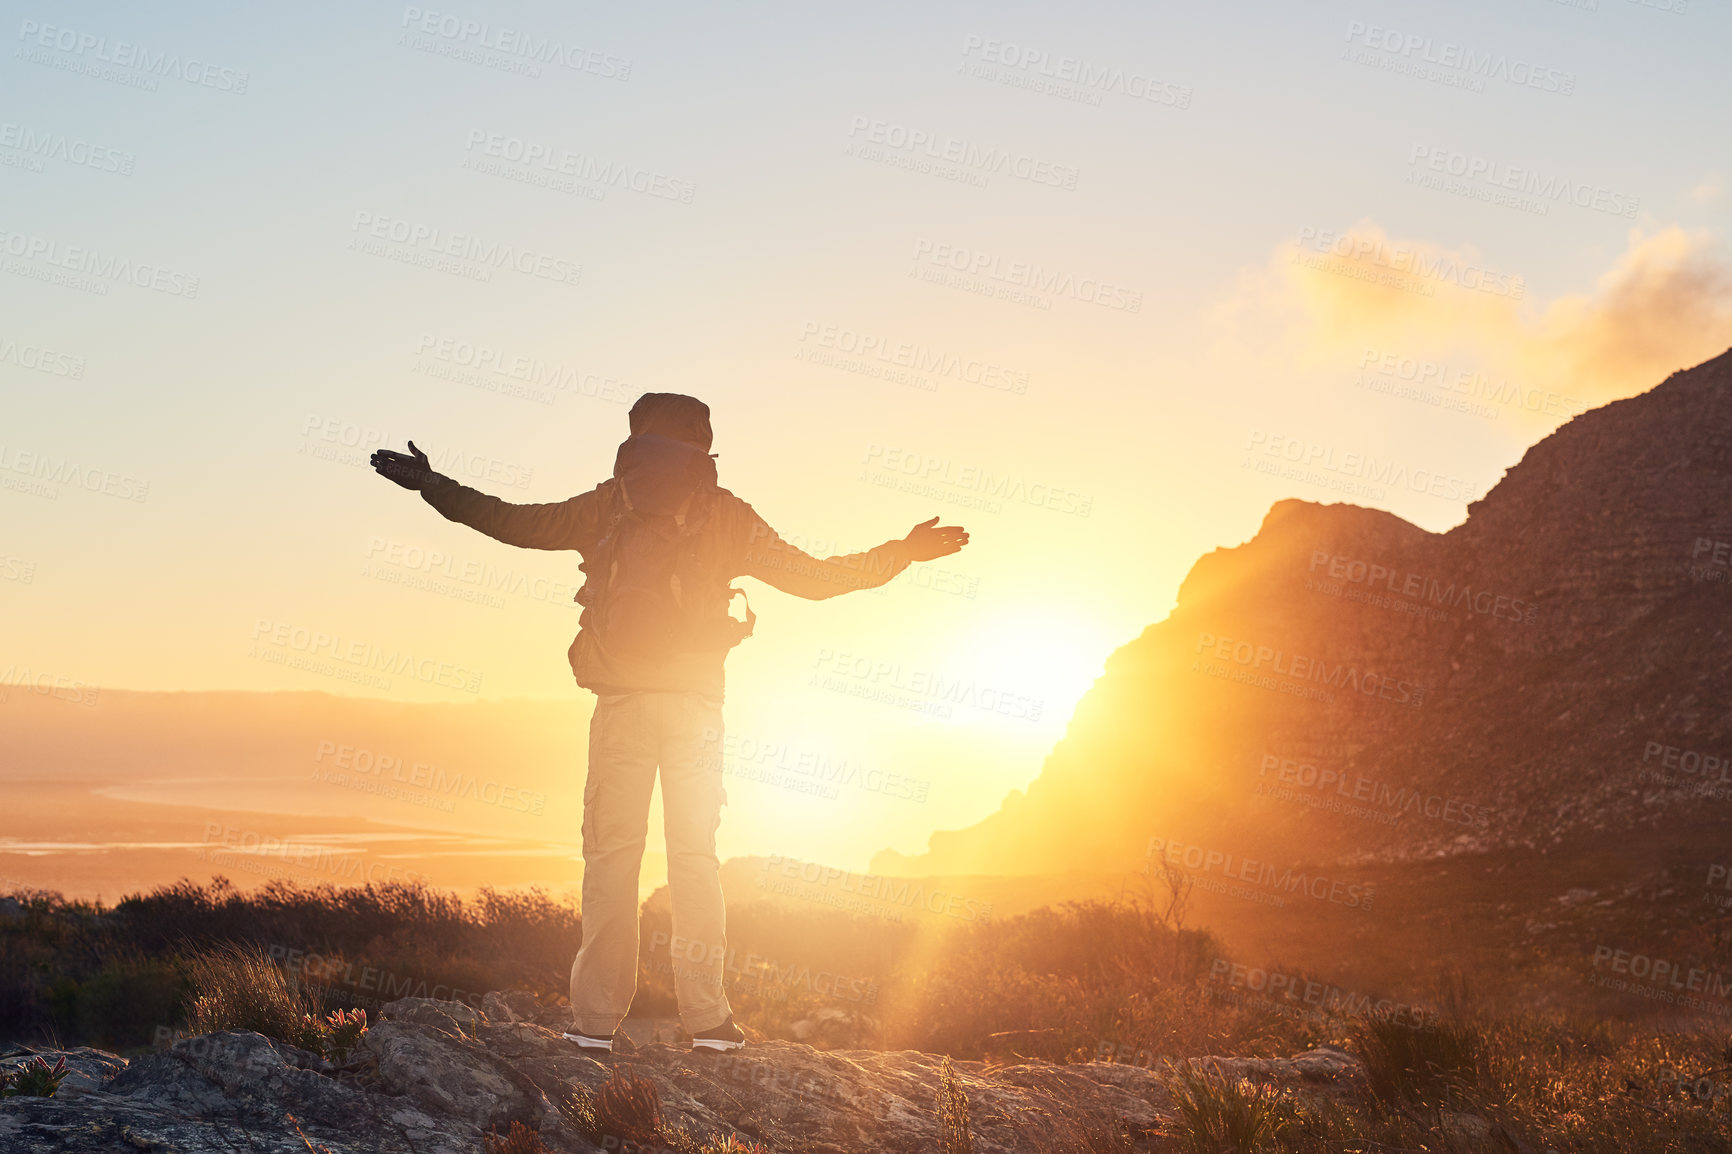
[[1036, 659]]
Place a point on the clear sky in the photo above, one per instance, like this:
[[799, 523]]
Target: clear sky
[[1098, 281]]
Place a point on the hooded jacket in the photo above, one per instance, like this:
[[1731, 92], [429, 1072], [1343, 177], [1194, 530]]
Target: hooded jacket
[[732, 541]]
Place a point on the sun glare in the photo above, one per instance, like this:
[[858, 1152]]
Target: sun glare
[[1048, 658]]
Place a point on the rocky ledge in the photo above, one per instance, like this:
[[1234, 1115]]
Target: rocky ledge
[[435, 1077]]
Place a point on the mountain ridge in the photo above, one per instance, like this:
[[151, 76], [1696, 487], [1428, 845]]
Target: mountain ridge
[[1569, 588]]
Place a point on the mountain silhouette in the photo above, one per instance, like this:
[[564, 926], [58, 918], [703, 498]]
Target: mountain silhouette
[[1348, 688]]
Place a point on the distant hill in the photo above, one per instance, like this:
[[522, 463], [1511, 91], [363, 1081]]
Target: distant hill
[[123, 735], [111, 791]]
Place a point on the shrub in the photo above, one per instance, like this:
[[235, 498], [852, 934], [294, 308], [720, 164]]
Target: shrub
[[1218, 1114], [1408, 1063], [1061, 975], [119, 1005], [628, 1107]]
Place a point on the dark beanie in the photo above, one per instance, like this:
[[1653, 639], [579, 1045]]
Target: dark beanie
[[673, 415]]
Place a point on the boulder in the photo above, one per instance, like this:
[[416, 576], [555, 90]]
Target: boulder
[[434, 1077]]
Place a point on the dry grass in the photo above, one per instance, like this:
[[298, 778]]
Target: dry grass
[[1219, 1114], [1406, 1063], [1491, 1084], [88, 973], [954, 1135], [240, 988], [1103, 981]]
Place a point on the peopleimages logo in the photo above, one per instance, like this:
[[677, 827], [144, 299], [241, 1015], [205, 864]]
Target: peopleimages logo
[[40, 359], [531, 154], [1089, 79], [1358, 466], [362, 656], [936, 475], [122, 54], [41, 144], [1301, 668], [890, 680], [431, 242], [868, 893], [1500, 176], [1480, 66], [917, 357], [1264, 875], [1325, 996], [1668, 977], [92, 269], [1499, 606], [45, 467], [1024, 275], [1470, 383], [368, 767], [1394, 802], [968, 156], [515, 42], [1691, 761]]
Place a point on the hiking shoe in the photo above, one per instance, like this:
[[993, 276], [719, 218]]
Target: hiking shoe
[[592, 1042], [726, 1036]]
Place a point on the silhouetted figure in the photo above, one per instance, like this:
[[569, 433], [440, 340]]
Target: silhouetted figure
[[661, 543]]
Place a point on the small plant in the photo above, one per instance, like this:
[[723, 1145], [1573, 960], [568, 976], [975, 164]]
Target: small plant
[[1218, 1114], [33, 1079], [342, 1029], [954, 1136], [519, 1139], [628, 1107]]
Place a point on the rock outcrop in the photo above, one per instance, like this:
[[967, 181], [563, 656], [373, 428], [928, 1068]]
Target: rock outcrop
[[434, 1077], [1347, 687]]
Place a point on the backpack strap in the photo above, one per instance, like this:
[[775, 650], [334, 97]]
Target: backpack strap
[[680, 513]]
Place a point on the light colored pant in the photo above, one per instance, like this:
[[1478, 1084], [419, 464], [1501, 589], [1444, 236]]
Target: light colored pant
[[630, 735]]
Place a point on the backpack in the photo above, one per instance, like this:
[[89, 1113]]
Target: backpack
[[647, 594]]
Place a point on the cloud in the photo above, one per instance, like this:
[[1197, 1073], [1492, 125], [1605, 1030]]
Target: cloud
[[1665, 304], [1710, 189]]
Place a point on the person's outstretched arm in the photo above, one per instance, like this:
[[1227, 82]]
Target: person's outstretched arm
[[764, 555], [561, 525]]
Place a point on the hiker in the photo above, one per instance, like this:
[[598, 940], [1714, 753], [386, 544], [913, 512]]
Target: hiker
[[661, 543]]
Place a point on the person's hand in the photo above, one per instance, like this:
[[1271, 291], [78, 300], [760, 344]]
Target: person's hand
[[929, 540], [411, 472]]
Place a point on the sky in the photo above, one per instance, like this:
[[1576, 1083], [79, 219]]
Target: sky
[[1099, 282]]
